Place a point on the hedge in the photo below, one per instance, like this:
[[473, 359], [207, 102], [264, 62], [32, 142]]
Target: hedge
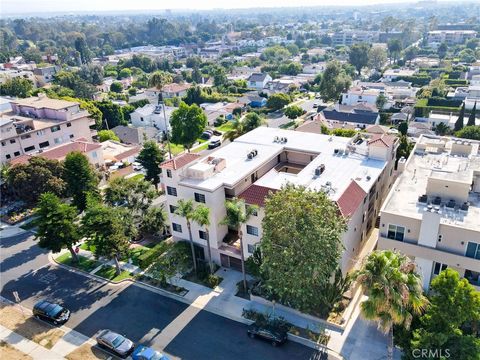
[[438, 101], [416, 80], [456, 82], [151, 255]]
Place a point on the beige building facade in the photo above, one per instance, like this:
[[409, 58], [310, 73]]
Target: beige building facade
[[432, 213]]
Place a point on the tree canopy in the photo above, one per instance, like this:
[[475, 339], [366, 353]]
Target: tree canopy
[[278, 101], [334, 81], [188, 123], [150, 157], [358, 56], [104, 135]]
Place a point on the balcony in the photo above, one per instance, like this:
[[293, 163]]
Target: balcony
[[473, 277], [231, 244]]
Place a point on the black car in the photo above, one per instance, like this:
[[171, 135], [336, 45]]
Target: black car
[[115, 343], [214, 143], [51, 312], [274, 336]]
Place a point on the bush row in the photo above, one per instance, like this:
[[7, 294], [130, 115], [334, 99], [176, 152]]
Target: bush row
[[147, 258]]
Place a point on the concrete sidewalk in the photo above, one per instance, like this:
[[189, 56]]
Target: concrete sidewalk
[[36, 351]]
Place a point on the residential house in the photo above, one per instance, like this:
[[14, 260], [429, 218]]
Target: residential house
[[360, 115], [37, 123], [220, 109], [9, 74], [355, 173], [152, 116], [44, 75], [136, 135], [432, 211], [175, 90], [362, 94], [393, 74], [114, 152], [450, 37], [258, 81], [315, 69]]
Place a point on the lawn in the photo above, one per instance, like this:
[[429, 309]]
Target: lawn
[[225, 127], [288, 125], [83, 263], [108, 272], [136, 252], [87, 247], [175, 148], [7, 351], [87, 352], [200, 148], [138, 177]]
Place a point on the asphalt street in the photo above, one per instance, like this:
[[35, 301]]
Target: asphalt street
[[128, 309]]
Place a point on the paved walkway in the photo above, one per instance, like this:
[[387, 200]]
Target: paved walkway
[[36, 351]]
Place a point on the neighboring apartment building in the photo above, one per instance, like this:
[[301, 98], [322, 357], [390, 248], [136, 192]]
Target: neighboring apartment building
[[355, 172], [432, 213], [450, 37], [36, 123]]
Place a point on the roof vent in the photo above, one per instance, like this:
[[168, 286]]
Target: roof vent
[[276, 139], [252, 154], [369, 177], [319, 170]]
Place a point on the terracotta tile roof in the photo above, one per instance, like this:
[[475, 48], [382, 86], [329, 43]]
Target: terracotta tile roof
[[351, 198], [255, 195], [61, 151], [382, 140], [179, 161], [174, 88], [128, 153]]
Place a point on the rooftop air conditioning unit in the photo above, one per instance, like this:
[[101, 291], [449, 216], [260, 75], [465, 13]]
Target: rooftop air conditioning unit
[[319, 170]]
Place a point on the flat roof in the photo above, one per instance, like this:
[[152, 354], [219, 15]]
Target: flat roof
[[412, 183], [44, 102], [340, 170]]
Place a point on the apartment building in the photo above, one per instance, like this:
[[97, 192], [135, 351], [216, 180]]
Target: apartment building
[[37, 123], [432, 213], [355, 172], [450, 37]]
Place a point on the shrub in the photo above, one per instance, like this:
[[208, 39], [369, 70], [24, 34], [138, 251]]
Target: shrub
[[439, 101], [213, 280], [146, 259]]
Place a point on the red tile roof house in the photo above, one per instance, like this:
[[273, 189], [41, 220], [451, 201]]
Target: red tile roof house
[[93, 151], [355, 173]]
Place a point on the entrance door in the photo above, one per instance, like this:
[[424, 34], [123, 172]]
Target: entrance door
[[224, 260]]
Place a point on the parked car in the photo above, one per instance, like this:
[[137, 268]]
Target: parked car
[[274, 336], [315, 105], [51, 312], [137, 166], [214, 143], [116, 343], [145, 353], [206, 135], [217, 133]]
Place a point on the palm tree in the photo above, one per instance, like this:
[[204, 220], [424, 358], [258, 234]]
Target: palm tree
[[394, 292], [185, 210], [236, 131], [201, 215], [237, 215], [158, 80]]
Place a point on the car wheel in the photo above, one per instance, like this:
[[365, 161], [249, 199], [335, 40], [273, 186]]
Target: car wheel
[[252, 336], [37, 317], [55, 322], [274, 343]]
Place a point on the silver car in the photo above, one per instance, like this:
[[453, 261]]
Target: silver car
[[115, 343]]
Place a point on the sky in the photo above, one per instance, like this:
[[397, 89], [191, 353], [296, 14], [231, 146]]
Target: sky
[[29, 6]]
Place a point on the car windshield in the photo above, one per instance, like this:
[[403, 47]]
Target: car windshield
[[55, 311], [157, 356], [118, 341]]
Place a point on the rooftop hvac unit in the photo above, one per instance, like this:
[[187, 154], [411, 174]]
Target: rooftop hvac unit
[[250, 156], [319, 170], [335, 151], [276, 139]]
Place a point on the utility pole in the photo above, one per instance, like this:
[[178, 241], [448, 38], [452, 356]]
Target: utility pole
[[162, 103]]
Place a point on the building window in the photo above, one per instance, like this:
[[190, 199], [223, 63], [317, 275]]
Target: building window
[[177, 227], [396, 232], [203, 234], [251, 248], [55, 128], [7, 156], [26, 136], [13, 141], [141, 119], [169, 173], [44, 144], [473, 250], [172, 209], [16, 153], [57, 140], [252, 230], [29, 148], [439, 238], [171, 191], [199, 198], [253, 210], [438, 268], [69, 124], [40, 133], [3, 143], [72, 136], [94, 155]]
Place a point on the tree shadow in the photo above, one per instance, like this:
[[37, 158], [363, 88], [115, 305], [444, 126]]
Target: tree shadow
[[21, 257]]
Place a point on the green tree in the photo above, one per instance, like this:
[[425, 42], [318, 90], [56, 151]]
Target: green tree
[[112, 113], [403, 128], [109, 230], [186, 210], [405, 147], [377, 57], [158, 80], [293, 112], [173, 261], [56, 225], [381, 101], [410, 53], [295, 270], [28, 181], [394, 292], [17, 87], [104, 135], [451, 321], [459, 123], [116, 87], [82, 47], [150, 157], [394, 48], [125, 73], [441, 129], [252, 121], [278, 101], [237, 129], [188, 123], [237, 214], [469, 132], [358, 56], [80, 179], [201, 215], [334, 81], [442, 50], [473, 113], [136, 195], [154, 221], [93, 74], [467, 56]]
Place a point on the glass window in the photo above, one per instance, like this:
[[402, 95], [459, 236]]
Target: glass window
[[7, 156], [252, 230], [69, 124], [57, 140], [12, 141], [55, 128], [438, 268], [396, 232], [177, 227], [171, 191], [29, 148], [254, 211], [44, 144], [251, 248], [199, 198], [473, 250], [16, 153], [169, 173], [172, 209], [202, 234]]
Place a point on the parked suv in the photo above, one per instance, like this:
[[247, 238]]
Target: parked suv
[[51, 312], [214, 143], [116, 343], [275, 336]]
